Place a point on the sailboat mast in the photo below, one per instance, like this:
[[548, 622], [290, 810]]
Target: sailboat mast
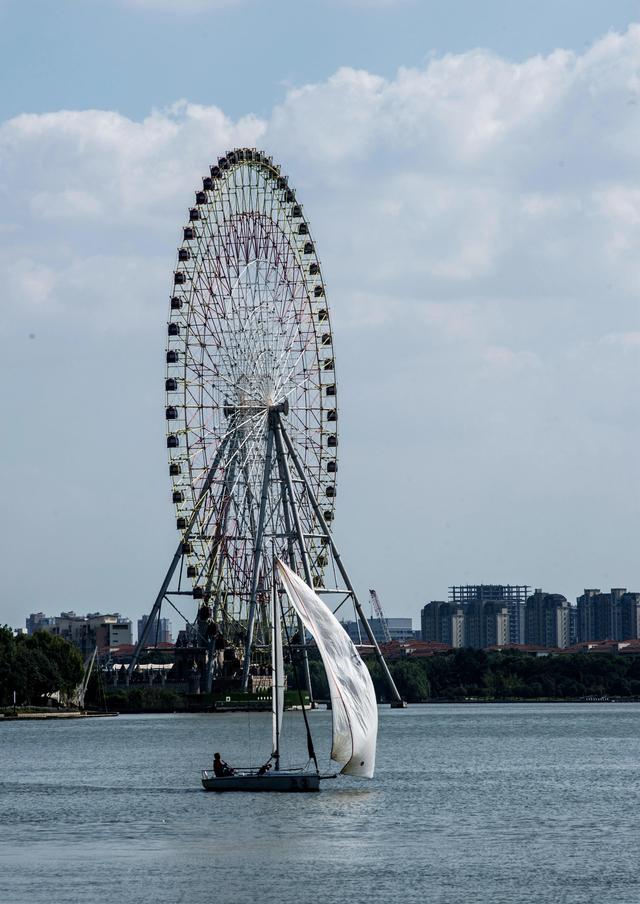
[[275, 679]]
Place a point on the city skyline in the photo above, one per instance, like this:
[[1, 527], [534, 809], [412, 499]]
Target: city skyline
[[175, 622], [474, 616]]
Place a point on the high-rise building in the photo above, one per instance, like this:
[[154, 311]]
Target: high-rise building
[[114, 633], [486, 624], [87, 631], [38, 621], [591, 620], [630, 616], [442, 622], [608, 616], [573, 625], [548, 620], [513, 596], [159, 632]]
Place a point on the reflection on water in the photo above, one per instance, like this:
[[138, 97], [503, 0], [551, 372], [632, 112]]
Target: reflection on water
[[470, 804]]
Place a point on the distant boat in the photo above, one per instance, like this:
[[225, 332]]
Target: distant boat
[[78, 696], [353, 701]]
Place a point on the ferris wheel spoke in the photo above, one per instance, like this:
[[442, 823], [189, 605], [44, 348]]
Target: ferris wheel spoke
[[250, 423]]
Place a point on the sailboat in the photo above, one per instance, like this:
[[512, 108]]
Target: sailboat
[[353, 701]]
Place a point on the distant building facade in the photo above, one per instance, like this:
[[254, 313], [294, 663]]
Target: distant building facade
[[38, 621], [513, 597], [476, 624], [573, 626], [400, 629], [486, 624], [159, 632], [548, 620], [113, 634], [88, 631], [442, 622], [608, 616]]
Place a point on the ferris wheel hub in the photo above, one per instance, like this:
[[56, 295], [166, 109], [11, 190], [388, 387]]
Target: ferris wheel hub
[[250, 409], [280, 408]]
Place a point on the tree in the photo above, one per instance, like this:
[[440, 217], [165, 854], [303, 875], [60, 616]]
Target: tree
[[36, 667], [441, 674], [36, 675], [471, 666], [7, 660], [65, 666], [411, 680]]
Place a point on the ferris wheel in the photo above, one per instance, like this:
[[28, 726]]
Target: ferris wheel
[[249, 330], [251, 401]]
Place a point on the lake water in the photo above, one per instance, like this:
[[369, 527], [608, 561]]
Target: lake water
[[470, 804]]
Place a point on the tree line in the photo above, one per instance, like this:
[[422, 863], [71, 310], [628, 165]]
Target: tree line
[[509, 674], [459, 675], [37, 666]]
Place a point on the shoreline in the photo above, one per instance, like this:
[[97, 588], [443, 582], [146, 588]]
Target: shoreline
[[528, 700], [44, 716], [65, 716]]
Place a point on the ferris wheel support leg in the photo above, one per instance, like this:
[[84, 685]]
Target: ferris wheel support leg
[[176, 559], [221, 527], [398, 701], [287, 489], [254, 531], [215, 563], [257, 561], [154, 611]]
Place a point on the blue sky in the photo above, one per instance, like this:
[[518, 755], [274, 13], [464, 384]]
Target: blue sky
[[133, 55], [470, 174]]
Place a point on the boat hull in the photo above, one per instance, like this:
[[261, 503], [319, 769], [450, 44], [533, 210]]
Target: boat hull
[[271, 781]]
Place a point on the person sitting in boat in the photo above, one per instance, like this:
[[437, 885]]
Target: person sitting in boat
[[220, 768], [264, 769]]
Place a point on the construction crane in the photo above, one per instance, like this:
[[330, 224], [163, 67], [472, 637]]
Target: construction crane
[[376, 606]]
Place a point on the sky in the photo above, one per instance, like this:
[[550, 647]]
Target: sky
[[471, 177]]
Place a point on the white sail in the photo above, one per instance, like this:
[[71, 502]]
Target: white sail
[[277, 679], [353, 699]]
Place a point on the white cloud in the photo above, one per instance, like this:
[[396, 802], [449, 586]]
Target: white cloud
[[629, 341], [202, 6], [83, 191], [472, 170], [30, 286], [479, 226], [504, 359], [181, 6], [105, 163], [374, 4], [69, 204]]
